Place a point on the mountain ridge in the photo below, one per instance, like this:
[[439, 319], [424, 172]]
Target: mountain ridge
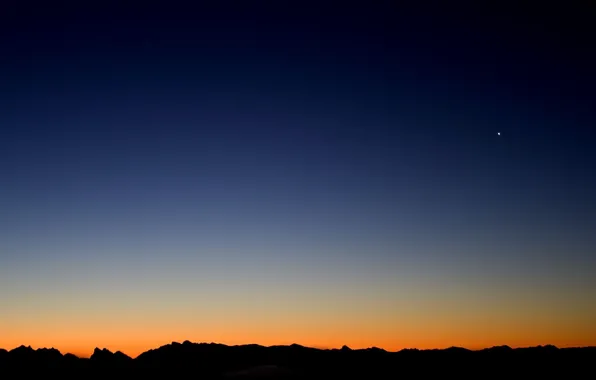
[[220, 361], [98, 352]]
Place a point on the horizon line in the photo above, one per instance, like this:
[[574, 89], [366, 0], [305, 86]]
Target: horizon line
[[322, 348]]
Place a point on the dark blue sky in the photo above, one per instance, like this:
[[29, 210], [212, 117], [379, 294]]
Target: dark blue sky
[[352, 146]]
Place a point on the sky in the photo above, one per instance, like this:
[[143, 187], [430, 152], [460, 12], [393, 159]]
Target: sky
[[377, 176]]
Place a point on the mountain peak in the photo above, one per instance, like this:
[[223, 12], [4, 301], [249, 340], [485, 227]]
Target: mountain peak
[[23, 350], [100, 353], [105, 354]]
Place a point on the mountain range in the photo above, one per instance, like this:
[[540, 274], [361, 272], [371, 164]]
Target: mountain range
[[219, 361]]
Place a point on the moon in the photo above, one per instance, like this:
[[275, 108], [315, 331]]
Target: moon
[[498, 133]]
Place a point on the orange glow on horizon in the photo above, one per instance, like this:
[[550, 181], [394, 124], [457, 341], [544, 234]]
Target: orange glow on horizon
[[134, 342]]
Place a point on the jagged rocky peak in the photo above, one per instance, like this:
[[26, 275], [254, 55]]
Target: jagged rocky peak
[[23, 348], [121, 355], [98, 350], [50, 350], [99, 353], [105, 354]]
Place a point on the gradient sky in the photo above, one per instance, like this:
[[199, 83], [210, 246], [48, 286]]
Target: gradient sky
[[281, 175]]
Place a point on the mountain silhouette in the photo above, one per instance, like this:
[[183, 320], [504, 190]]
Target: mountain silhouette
[[106, 357], [219, 361]]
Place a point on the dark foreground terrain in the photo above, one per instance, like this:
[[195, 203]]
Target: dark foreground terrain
[[217, 361]]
